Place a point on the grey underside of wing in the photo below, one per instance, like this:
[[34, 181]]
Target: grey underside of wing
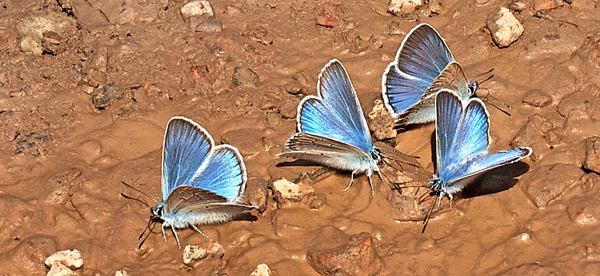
[[185, 199], [325, 151], [452, 78]]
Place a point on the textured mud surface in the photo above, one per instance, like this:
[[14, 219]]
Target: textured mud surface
[[87, 87]]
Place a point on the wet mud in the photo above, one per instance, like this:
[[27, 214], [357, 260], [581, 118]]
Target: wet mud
[[87, 88]]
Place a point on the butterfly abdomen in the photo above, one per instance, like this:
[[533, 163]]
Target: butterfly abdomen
[[180, 221]]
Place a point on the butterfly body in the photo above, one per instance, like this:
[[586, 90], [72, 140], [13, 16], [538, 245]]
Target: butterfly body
[[332, 127], [202, 184], [423, 65]]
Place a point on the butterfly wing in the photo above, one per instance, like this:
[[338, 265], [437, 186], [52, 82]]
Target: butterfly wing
[[198, 206], [448, 113], [421, 58], [223, 173], [452, 78], [326, 151], [336, 113], [186, 146]]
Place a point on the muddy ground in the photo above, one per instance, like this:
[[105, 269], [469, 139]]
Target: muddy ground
[[87, 87]]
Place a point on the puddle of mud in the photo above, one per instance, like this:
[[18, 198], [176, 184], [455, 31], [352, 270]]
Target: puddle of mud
[[63, 158]]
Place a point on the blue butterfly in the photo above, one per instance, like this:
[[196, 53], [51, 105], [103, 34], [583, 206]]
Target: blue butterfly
[[422, 67], [202, 184], [332, 128], [462, 145]]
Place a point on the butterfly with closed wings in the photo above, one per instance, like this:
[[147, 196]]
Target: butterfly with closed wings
[[332, 127], [462, 145], [202, 184], [423, 65]]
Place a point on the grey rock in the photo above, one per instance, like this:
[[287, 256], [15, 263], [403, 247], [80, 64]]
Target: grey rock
[[210, 25], [244, 76], [592, 154], [106, 95]]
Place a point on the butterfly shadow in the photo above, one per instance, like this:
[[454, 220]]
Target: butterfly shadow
[[299, 162], [496, 180]]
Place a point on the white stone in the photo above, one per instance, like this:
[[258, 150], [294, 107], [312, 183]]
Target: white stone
[[380, 122], [404, 6], [59, 269], [261, 270], [505, 27], [69, 258], [121, 273], [196, 8], [195, 253], [292, 191]]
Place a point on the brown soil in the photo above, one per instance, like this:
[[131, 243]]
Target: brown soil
[[88, 111]]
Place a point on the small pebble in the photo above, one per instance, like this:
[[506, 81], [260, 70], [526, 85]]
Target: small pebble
[[517, 6], [288, 107], [260, 35], [59, 269], [505, 28], [398, 7], [358, 45], [381, 123], [106, 95], [196, 8], [539, 5], [244, 76], [592, 154], [287, 190], [121, 273], [537, 98], [294, 88], [261, 270], [69, 258], [435, 6], [210, 25], [328, 14], [193, 254]]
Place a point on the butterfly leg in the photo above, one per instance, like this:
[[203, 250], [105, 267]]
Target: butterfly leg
[[175, 234], [371, 184], [198, 230], [351, 180], [163, 230]]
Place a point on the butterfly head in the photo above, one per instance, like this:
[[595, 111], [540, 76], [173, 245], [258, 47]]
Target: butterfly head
[[157, 211], [377, 155], [473, 87]]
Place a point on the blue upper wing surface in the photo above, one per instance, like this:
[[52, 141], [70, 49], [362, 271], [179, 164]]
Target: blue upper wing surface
[[421, 58], [186, 146], [336, 113], [448, 114], [223, 173], [472, 132]]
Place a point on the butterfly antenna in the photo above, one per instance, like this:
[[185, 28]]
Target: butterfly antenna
[[428, 216], [150, 227], [398, 152], [136, 199], [137, 190], [398, 186]]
